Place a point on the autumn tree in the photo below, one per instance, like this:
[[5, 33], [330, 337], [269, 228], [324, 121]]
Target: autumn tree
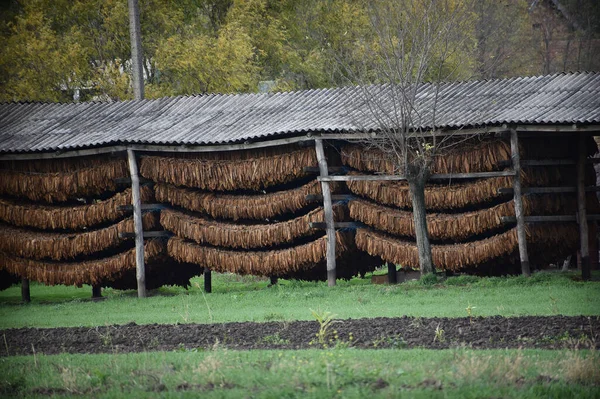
[[59, 50]]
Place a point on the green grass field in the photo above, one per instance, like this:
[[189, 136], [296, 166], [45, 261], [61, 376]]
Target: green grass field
[[237, 298], [220, 373], [343, 373]]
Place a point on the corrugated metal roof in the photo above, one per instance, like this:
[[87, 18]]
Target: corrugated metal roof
[[218, 119]]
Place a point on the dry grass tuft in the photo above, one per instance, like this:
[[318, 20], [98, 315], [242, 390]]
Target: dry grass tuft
[[502, 370], [582, 368]]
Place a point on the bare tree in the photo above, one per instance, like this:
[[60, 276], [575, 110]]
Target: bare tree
[[414, 41]]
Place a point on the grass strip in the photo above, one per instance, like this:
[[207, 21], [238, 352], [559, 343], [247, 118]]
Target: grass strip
[[346, 373], [237, 298]]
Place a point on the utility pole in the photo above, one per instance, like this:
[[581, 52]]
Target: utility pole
[[136, 49]]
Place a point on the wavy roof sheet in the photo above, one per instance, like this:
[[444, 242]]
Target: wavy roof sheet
[[218, 119]]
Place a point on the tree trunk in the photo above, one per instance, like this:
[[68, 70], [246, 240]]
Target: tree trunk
[[417, 195]]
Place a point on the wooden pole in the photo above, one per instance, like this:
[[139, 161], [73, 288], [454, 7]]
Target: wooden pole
[[207, 280], [521, 234], [273, 281], [137, 58], [25, 293], [328, 210], [140, 268], [392, 276], [582, 215], [96, 291]]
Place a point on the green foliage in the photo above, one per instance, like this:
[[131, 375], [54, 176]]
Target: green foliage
[[439, 334], [275, 339], [47, 67], [462, 280], [429, 279], [325, 320], [202, 64], [52, 49]]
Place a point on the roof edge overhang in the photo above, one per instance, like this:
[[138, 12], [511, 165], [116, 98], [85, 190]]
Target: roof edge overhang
[[545, 129]]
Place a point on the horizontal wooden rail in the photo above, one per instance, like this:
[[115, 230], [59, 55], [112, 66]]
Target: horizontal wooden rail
[[127, 180], [441, 176], [548, 190], [145, 207], [477, 175], [555, 162], [543, 219], [546, 162], [148, 234], [536, 129], [331, 169], [337, 225], [334, 197]]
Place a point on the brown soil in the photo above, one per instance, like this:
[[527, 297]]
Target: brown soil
[[406, 332]]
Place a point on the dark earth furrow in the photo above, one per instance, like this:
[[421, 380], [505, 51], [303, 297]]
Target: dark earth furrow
[[553, 332]]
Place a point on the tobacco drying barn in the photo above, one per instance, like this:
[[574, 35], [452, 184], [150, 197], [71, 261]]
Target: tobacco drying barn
[[233, 183]]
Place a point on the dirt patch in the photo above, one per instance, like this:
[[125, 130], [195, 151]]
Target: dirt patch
[[406, 332]]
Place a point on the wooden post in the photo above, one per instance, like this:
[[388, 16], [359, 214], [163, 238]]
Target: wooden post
[[96, 291], [273, 280], [521, 234], [25, 293], [328, 208], [582, 214], [392, 276], [207, 280], [137, 57], [593, 243], [140, 268]]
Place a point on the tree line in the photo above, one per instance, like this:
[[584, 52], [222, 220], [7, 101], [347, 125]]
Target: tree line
[[65, 50]]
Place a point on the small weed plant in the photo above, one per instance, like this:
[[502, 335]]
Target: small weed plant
[[439, 335], [393, 342], [469, 310], [327, 337], [275, 339]]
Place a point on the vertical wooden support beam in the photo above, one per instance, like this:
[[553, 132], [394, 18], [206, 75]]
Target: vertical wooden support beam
[[140, 268], [96, 291], [207, 280], [582, 214], [328, 208], [593, 244], [521, 233], [392, 273], [273, 280], [25, 293]]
